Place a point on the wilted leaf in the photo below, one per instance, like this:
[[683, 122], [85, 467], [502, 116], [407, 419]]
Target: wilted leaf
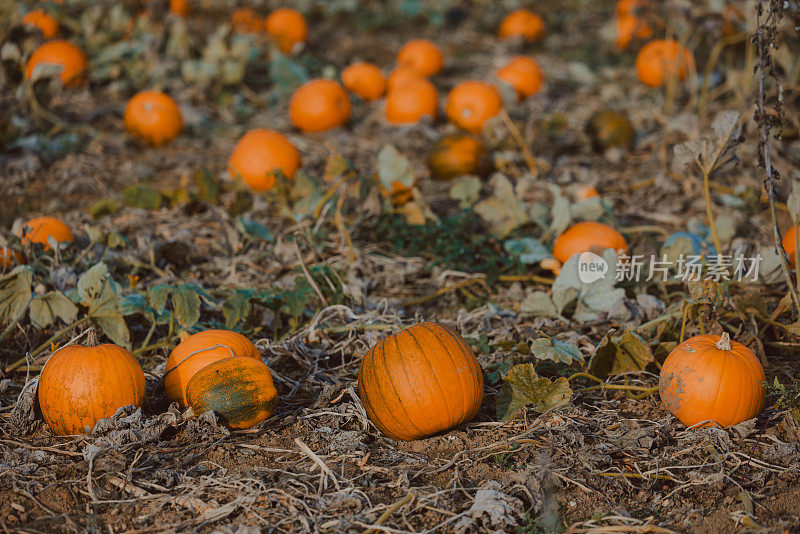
[[207, 186], [15, 293], [592, 298], [548, 348], [504, 211], [186, 304], [793, 202], [141, 196], [394, 167], [560, 215], [620, 354], [157, 296], [45, 309], [539, 304], [528, 249], [91, 283], [466, 191], [236, 306], [725, 125], [103, 207], [523, 387]]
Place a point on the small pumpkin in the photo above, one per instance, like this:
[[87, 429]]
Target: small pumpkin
[[524, 75], [584, 192], [41, 229], [153, 117], [288, 29], [610, 129], [364, 80], [631, 18], [246, 20], [422, 56], [319, 105], [411, 101], [260, 155], [83, 384], [458, 154], [401, 76], [10, 258], [179, 7], [711, 378], [63, 54], [585, 237], [399, 194], [238, 389], [522, 23], [661, 59], [420, 381], [40, 20], [788, 243], [470, 104], [198, 351]]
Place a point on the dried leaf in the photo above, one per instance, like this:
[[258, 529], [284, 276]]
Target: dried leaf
[[504, 211], [466, 191], [592, 298], [15, 293], [523, 387], [539, 304], [548, 348], [46, 309], [620, 354]]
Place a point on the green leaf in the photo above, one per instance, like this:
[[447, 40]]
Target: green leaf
[[548, 348], [45, 309], [523, 387], [141, 196], [236, 306], [103, 207], [157, 296], [466, 191], [528, 249], [297, 300], [251, 228], [186, 302], [620, 354], [207, 186], [15, 293]]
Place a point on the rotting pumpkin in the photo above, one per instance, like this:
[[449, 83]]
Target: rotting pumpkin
[[196, 352], [82, 384], [710, 379], [420, 381], [239, 389]]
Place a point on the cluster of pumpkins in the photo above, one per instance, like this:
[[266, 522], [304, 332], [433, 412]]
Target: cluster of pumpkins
[[413, 384]]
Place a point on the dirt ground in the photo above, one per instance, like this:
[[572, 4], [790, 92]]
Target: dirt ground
[[605, 462]]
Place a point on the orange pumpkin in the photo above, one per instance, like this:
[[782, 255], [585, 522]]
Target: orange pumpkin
[[399, 194], [62, 54], [153, 117], [401, 76], [83, 384], [260, 155], [524, 24], [179, 7], [245, 20], [587, 237], [287, 28], [788, 243], [470, 104], [610, 129], [458, 154], [10, 258], [631, 23], [239, 390], [659, 60], [41, 229], [198, 351], [411, 101], [711, 378], [319, 105], [419, 382], [43, 22], [364, 80], [421, 56], [524, 75], [585, 192]]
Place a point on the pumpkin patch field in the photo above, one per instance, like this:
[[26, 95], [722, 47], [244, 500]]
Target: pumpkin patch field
[[399, 267]]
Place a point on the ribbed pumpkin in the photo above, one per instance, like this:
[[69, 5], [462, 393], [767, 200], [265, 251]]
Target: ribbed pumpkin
[[419, 382], [610, 129], [83, 384], [238, 389], [585, 237], [154, 117], [198, 351], [41, 229], [458, 154], [711, 378]]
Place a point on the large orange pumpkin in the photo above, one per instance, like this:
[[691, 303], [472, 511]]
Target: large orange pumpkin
[[711, 378], [420, 381], [238, 389], [199, 350], [411, 101], [62, 54], [260, 155], [41, 229], [524, 75], [470, 104], [287, 28], [421, 56], [659, 60], [522, 23], [585, 237], [364, 80], [153, 117], [83, 384], [458, 154], [43, 22], [319, 105]]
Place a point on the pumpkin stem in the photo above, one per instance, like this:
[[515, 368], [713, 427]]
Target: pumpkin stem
[[724, 342], [91, 338]]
